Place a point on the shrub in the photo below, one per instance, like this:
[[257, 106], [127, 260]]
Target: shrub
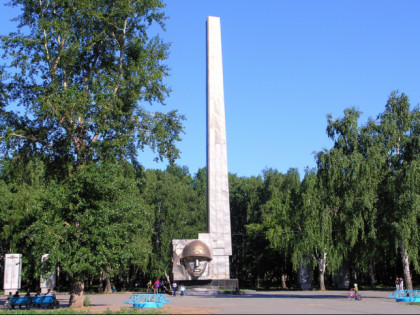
[[86, 301]]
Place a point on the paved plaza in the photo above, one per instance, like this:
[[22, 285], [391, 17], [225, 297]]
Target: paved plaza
[[263, 302]]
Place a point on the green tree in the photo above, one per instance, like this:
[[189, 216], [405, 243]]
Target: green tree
[[315, 225], [82, 74], [79, 77], [355, 164], [247, 247], [371, 175], [398, 135], [88, 225], [331, 217], [178, 214], [200, 187], [280, 203], [22, 185]]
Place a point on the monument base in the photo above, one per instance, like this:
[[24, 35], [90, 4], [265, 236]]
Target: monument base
[[208, 287], [306, 286]]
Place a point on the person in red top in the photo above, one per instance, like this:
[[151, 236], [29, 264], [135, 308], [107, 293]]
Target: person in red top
[[157, 284]]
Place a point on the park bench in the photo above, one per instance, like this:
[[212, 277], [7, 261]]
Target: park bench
[[147, 300], [43, 301], [19, 301]]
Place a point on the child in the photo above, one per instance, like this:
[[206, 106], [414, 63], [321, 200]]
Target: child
[[157, 284]]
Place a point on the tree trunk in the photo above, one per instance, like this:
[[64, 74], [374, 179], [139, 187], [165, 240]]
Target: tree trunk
[[57, 284], [76, 294], [283, 281], [322, 264], [101, 283], [406, 268], [108, 288], [168, 280], [372, 275], [133, 277], [354, 278]]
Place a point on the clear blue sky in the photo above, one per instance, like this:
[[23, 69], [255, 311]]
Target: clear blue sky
[[287, 64]]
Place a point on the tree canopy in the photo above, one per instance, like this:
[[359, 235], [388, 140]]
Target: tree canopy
[[81, 73]]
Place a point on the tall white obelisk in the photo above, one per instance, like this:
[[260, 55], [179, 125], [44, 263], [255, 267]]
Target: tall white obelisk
[[217, 169], [213, 248]]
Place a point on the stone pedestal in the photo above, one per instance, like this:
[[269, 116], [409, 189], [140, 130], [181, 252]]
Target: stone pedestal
[[305, 275], [47, 281], [342, 278], [12, 273], [209, 287]]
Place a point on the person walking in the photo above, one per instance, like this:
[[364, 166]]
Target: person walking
[[174, 286], [182, 290]]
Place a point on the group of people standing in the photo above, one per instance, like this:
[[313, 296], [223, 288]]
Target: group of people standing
[[399, 284], [159, 286], [175, 287]]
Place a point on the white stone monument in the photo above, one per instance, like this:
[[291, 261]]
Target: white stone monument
[[12, 273], [342, 277], [305, 274], [217, 169], [47, 281], [207, 258]]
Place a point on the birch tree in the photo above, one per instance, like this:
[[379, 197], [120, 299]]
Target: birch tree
[[77, 83], [398, 133]]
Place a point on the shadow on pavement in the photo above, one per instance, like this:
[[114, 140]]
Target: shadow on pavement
[[286, 296]]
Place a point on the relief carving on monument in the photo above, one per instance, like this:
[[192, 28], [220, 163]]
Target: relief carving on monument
[[191, 260]]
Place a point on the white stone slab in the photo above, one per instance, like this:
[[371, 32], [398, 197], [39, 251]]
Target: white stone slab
[[48, 280], [12, 273]]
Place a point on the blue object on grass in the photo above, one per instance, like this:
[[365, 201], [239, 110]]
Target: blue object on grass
[[147, 300]]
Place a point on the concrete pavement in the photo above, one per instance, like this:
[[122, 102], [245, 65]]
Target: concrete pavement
[[264, 302], [299, 302]]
